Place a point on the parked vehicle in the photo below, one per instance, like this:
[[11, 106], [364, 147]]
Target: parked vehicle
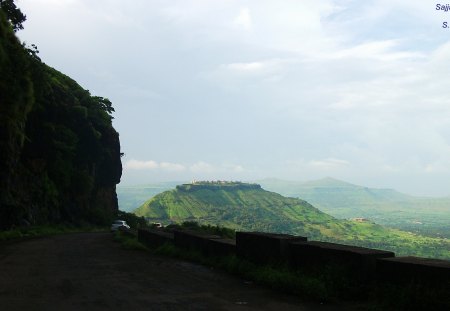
[[119, 225]]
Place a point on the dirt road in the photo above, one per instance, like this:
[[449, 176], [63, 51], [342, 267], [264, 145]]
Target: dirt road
[[88, 271]]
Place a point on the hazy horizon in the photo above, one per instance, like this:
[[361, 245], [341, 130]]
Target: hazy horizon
[[246, 90], [178, 182]]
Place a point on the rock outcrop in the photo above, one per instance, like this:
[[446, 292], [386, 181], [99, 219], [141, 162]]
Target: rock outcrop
[[60, 156]]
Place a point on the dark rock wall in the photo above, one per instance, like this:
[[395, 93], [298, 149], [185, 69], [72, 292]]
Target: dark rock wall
[[16, 100], [60, 156]]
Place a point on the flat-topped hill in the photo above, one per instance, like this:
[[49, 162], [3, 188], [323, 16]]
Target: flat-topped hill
[[236, 205], [217, 185], [249, 207]]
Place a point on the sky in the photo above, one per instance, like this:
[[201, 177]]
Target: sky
[[246, 90]]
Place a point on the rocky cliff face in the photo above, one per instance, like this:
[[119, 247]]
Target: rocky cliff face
[[60, 156]]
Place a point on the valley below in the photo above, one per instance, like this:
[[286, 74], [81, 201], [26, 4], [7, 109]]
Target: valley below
[[247, 207], [426, 216]]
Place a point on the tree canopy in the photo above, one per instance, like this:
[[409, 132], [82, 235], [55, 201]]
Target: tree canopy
[[13, 14]]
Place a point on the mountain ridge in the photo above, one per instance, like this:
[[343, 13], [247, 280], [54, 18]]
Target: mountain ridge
[[388, 207], [327, 182]]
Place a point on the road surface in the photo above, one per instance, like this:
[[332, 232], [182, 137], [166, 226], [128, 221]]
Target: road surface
[[89, 271]]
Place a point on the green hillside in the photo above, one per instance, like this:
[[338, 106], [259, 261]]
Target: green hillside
[[426, 216], [249, 207]]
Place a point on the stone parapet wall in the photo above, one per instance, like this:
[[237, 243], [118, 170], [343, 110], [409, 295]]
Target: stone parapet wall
[[264, 248], [359, 262], [414, 269], [194, 240], [362, 264], [154, 238], [221, 247]]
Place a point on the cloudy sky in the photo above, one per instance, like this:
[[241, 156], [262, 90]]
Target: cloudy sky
[[244, 90]]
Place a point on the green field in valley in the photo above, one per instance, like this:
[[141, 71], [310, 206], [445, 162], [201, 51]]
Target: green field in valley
[[423, 215]]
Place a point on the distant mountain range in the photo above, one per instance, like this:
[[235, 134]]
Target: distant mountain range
[[334, 187], [249, 207], [428, 216]]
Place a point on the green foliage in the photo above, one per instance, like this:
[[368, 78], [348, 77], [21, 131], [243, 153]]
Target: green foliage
[[13, 14], [105, 104]]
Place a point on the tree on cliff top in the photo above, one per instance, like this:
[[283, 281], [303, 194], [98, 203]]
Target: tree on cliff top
[[13, 14]]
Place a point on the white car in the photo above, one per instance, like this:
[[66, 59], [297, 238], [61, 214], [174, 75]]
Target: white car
[[119, 225]]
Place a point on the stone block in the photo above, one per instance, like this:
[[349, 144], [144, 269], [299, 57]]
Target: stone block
[[193, 240], [357, 262], [264, 248], [427, 271], [221, 247], [154, 238]]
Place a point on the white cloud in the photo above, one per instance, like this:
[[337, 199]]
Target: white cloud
[[236, 168], [327, 164], [199, 167], [153, 165], [224, 170], [141, 165], [61, 3], [237, 75], [246, 67], [244, 20], [175, 167], [315, 167], [383, 50], [202, 168]]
